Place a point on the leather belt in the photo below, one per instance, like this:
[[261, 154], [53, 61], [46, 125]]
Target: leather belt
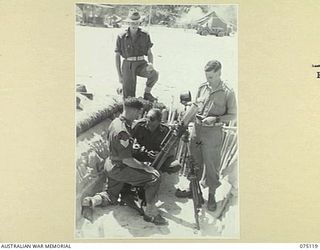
[[215, 125], [135, 58]]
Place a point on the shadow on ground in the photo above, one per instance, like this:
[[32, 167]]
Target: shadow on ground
[[124, 222]]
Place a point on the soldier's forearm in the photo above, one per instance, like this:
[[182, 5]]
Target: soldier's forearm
[[150, 57], [133, 163], [118, 64], [228, 117]]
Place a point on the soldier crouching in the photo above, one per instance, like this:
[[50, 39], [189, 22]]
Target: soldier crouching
[[122, 168]]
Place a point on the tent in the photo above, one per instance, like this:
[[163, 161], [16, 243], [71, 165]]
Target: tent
[[213, 19], [213, 24]]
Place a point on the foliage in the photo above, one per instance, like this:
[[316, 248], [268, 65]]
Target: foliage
[[160, 14]]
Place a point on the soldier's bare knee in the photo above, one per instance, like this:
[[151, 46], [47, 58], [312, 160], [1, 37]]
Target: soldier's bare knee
[[154, 75]]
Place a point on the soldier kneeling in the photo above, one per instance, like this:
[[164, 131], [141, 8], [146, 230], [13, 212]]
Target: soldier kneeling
[[122, 168]]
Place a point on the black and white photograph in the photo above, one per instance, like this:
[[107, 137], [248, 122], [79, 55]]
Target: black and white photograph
[[156, 95]]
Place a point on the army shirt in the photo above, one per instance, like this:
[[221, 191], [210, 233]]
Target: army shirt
[[119, 139], [219, 102], [151, 140], [128, 46]]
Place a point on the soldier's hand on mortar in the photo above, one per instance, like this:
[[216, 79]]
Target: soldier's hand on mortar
[[152, 171], [209, 120]]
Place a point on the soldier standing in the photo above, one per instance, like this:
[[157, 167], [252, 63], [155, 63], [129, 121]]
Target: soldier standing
[[217, 104], [133, 45]]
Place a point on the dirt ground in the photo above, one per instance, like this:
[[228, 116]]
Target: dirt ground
[[124, 222], [179, 56]]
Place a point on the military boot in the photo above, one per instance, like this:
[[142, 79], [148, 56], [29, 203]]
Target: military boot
[[212, 204], [87, 209], [149, 97]]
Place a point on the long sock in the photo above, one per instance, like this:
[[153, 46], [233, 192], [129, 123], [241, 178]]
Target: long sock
[[147, 89], [151, 210]]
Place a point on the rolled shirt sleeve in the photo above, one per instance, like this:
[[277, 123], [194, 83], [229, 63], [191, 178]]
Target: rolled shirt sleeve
[[231, 103], [231, 108]]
